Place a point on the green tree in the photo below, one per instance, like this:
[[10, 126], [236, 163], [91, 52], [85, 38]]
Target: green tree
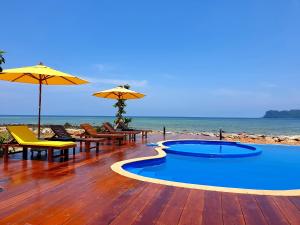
[[2, 59], [121, 105], [3, 138]]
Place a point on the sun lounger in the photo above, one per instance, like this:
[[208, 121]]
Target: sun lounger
[[27, 139], [61, 134], [91, 132], [130, 133], [108, 126]]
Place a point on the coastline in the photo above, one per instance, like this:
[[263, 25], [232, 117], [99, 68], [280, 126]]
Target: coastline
[[272, 127], [248, 138], [235, 137]]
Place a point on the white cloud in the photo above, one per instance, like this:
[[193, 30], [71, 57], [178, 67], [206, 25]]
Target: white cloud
[[108, 69]]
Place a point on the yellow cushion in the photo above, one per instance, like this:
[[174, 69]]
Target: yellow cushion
[[57, 144], [24, 136]]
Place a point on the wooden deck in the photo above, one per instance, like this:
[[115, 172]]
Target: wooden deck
[[84, 190]]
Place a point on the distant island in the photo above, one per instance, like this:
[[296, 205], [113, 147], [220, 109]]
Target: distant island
[[295, 113]]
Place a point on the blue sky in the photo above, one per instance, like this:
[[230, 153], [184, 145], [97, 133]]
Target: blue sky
[[191, 58]]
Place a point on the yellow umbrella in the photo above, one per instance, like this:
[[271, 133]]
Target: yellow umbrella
[[42, 75], [119, 93]]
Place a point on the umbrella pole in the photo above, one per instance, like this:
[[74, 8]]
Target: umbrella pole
[[40, 103]]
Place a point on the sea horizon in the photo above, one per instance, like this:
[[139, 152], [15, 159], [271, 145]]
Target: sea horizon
[[258, 125], [213, 117]]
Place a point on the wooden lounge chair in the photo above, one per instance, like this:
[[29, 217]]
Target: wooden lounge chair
[[130, 133], [91, 132], [61, 134], [27, 139], [108, 126]]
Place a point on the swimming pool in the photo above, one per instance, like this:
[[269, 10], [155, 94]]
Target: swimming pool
[[217, 149], [273, 169]]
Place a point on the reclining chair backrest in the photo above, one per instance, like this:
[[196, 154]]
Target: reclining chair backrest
[[109, 127], [60, 131], [22, 134], [88, 129]]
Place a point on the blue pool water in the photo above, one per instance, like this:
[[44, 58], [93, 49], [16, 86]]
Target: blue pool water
[[276, 168], [210, 148]]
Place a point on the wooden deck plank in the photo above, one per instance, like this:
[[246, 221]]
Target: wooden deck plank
[[129, 214], [53, 199], [193, 210], [251, 211], [296, 201], [72, 205], [212, 213], [104, 191], [231, 210], [109, 208], [288, 209], [41, 171], [80, 210], [90, 173], [270, 211], [50, 186], [173, 210], [153, 210]]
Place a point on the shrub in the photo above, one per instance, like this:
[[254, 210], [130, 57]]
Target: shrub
[[67, 125]]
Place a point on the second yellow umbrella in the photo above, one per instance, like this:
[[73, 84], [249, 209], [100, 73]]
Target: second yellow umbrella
[[119, 93]]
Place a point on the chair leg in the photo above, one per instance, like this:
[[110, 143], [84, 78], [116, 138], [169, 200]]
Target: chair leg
[[87, 146], [50, 154], [5, 154], [74, 150], [25, 152], [112, 141], [66, 153]]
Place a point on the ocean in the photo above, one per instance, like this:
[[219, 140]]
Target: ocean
[[178, 124]]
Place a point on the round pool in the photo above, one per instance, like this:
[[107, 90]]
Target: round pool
[[220, 149], [214, 165]]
